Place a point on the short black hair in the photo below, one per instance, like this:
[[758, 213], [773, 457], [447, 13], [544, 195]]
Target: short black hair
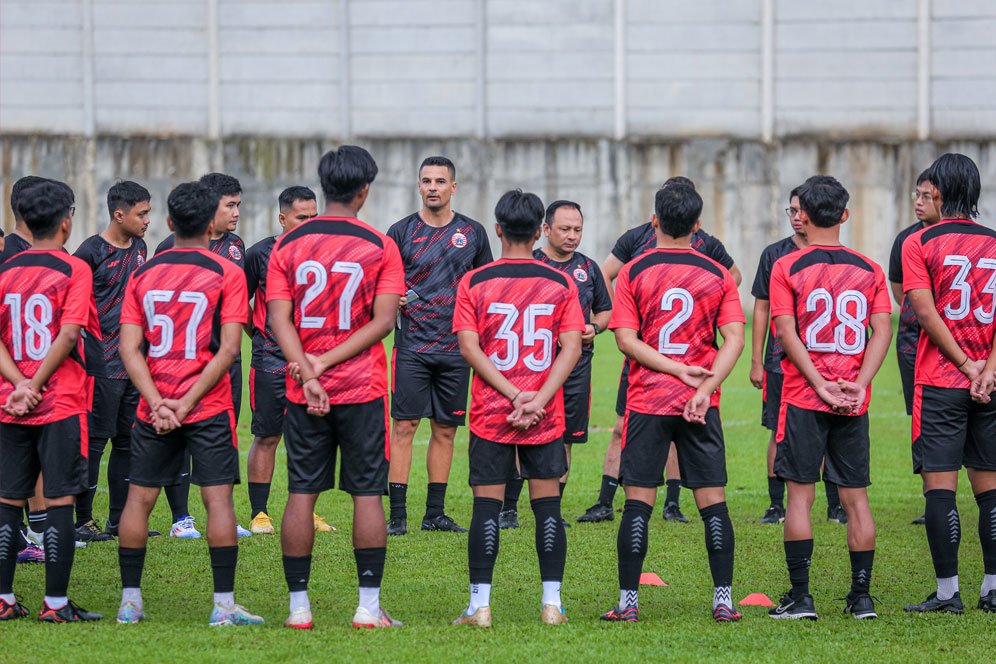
[[795, 192], [923, 177], [824, 200], [438, 161], [124, 195], [957, 178], [552, 208], [677, 206], [43, 206], [678, 180], [519, 214], [344, 172], [191, 207], [221, 184], [18, 188], [290, 195]]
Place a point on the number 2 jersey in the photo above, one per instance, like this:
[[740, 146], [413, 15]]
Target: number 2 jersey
[[675, 299], [42, 291], [832, 292], [331, 269], [518, 308], [956, 260], [180, 299]]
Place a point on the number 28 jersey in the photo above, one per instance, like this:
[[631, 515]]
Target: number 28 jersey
[[832, 292], [518, 308]]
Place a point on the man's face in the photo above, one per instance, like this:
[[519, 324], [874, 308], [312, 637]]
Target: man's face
[[925, 204], [796, 215], [135, 221], [298, 213], [226, 217], [564, 231], [435, 186]]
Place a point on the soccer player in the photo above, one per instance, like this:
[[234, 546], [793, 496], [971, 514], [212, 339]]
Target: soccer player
[[824, 299], [562, 227], [267, 379], [927, 214], [429, 379], [669, 304], [20, 240], [766, 359], [187, 307], [949, 275], [631, 244], [333, 287], [519, 325], [47, 302], [112, 256]]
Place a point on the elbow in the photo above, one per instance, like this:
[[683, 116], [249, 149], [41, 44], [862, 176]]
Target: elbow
[[383, 325], [71, 335]]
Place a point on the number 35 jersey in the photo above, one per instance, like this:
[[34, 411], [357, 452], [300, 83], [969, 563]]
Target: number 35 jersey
[[832, 292], [956, 260], [42, 291], [180, 299], [518, 308], [675, 299], [331, 269]]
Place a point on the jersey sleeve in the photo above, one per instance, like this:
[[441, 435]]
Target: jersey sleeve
[[896, 260], [762, 278], [483, 255], [76, 306], [395, 232], [277, 287], [881, 303], [131, 310], [625, 312], [166, 244], [782, 301], [391, 280], [234, 297], [252, 273], [915, 274], [715, 250], [623, 248], [85, 253], [601, 301], [730, 309], [572, 319], [464, 318]]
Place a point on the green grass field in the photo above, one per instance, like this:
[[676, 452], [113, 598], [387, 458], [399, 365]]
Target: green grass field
[[425, 584]]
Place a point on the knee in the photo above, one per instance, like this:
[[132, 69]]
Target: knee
[[443, 434], [404, 431], [269, 442]]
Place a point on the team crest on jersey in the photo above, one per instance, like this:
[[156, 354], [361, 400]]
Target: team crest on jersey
[[580, 274], [140, 259], [234, 252], [459, 240]]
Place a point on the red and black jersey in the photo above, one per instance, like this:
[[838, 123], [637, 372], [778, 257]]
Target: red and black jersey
[[42, 291], [266, 353], [643, 238], [435, 260], [908, 335], [832, 292], [111, 266], [956, 260], [331, 269], [675, 299], [12, 246], [773, 351], [518, 308], [592, 292], [228, 245], [180, 299]]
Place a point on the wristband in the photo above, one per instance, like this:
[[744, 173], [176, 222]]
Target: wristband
[[965, 362], [598, 330], [516, 396]]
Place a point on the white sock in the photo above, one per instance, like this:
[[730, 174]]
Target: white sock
[[224, 599], [9, 598], [628, 598], [551, 593], [480, 595], [56, 602], [946, 588], [133, 595], [988, 584], [722, 595], [370, 599], [299, 600]]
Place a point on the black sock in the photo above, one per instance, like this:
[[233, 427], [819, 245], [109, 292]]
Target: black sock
[[118, 466], [943, 531], [563, 486], [178, 496], [631, 544], [370, 566], [60, 549], [259, 494], [84, 500], [36, 521], [131, 562], [435, 499], [297, 572], [861, 571], [776, 491], [10, 542], [673, 493], [223, 562], [987, 529], [720, 543], [608, 491], [398, 496], [551, 538], [833, 498], [513, 489], [483, 540], [798, 557]]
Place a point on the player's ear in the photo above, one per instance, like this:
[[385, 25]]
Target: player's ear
[[282, 219], [843, 217], [655, 222], [169, 224], [498, 230], [697, 226], [66, 226], [538, 234]]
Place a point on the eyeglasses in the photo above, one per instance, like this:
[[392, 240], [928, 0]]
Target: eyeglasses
[[917, 195], [791, 211], [72, 210]]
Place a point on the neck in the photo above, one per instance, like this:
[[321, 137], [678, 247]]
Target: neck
[[334, 209], [668, 242], [929, 222], [21, 229], [218, 236], [524, 250], [116, 236], [800, 240], [557, 255], [440, 217], [827, 237], [48, 244], [199, 242]]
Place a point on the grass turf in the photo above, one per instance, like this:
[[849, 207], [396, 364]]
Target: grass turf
[[425, 583]]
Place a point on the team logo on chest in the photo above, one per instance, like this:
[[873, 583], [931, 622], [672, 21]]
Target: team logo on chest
[[458, 240], [580, 274], [140, 259], [234, 253]]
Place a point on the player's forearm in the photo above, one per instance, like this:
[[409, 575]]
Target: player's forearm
[[488, 372], [923, 305], [737, 275], [758, 331], [62, 345], [138, 369], [644, 354], [796, 351], [213, 371], [8, 368], [897, 292], [248, 327], [726, 357], [567, 359], [876, 350], [287, 337], [601, 319], [359, 341]]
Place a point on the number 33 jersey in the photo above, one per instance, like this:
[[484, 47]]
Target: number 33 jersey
[[518, 308], [42, 291], [331, 269], [180, 299], [956, 261], [832, 292]]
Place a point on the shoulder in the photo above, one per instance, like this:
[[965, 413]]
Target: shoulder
[[401, 225], [474, 224], [261, 248]]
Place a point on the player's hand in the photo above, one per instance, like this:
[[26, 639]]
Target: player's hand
[[316, 397], [316, 364], [403, 302], [588, 334], [757, 375], [526, 412], [693, 376], [972, 369], [983, 386], [22, 399], [833, 395], [696, 408], [854, 393], [164, 418]]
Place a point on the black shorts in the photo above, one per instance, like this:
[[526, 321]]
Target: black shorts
[[494, 463], [114, 404], [358, 431], [56, 449], [807, 437], [235, 377], [950, 430], [268, 401], [211, 444], [429, 385], [906, 366], [577, 402], [701, 450], [772, 399], [621, 392]]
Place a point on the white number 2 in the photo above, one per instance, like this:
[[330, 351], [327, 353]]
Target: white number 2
[[664, 344], [36, 340], [855, 322], [531, 335], [965, 289], [166, 325], [309, 269]]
